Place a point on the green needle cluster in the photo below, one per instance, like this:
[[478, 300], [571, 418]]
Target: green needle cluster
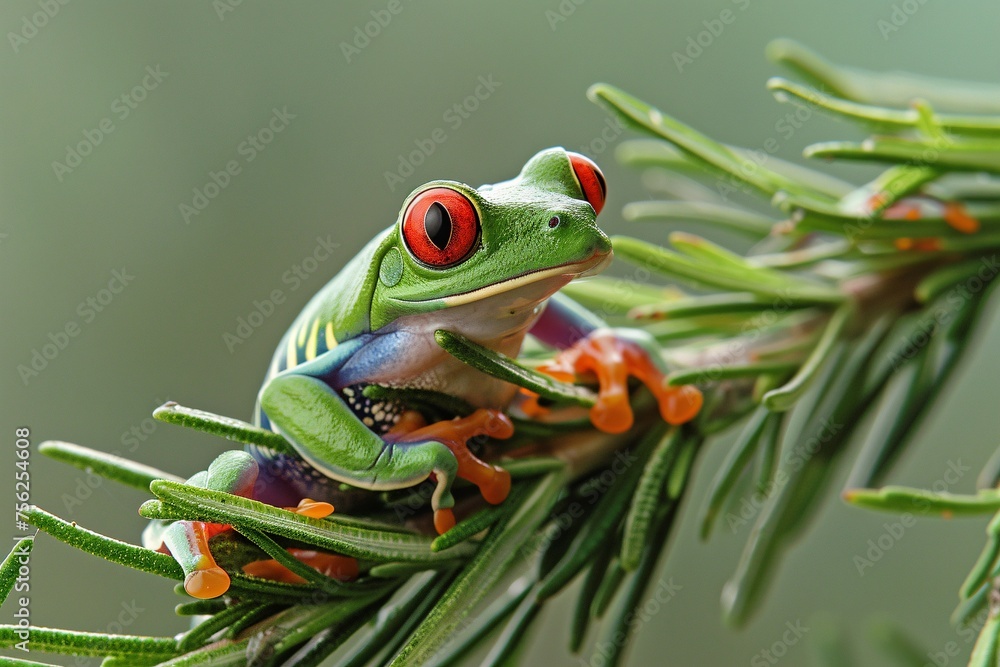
[[851, 301]]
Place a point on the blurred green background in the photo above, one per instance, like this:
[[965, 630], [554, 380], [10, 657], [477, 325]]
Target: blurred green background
[[222, 69]]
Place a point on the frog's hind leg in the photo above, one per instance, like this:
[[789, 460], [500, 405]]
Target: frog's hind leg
[[342, 568], [236, 472], [232, 472], [187, 542]]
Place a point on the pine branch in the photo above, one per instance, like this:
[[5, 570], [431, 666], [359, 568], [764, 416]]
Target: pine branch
[[854, 297]]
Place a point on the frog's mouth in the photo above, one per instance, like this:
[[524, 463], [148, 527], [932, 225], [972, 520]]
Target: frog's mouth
[[588, 267]]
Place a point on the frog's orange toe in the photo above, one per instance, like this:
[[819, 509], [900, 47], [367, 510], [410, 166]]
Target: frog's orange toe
[[497, 425], [313, 509], [612, 412], [444, 520], [207, 583], [681, 404], [496, 488]]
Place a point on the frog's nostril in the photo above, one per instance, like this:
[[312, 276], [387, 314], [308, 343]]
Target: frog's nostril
[[554, 222], [602, 246]]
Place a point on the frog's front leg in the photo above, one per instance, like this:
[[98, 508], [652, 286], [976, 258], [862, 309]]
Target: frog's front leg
[[302, 406], [589, 346], [493, 481]]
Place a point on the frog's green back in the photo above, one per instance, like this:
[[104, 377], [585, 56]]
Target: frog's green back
[[340, 311]]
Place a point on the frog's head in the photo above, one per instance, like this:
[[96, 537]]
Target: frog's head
[[454, 244]]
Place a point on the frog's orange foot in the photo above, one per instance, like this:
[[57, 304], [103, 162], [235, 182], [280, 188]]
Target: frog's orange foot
[[312, 508], [342, 568], [493, 481], [203, 578], [953, 213], [613, 359]]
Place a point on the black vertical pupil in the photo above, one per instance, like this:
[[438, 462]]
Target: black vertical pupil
[[437, 224], [600, 180]]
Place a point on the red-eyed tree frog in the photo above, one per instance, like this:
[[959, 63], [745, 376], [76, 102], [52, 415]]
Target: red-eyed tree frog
[[484, 262]]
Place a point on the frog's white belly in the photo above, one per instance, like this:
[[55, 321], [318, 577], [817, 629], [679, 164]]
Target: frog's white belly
[[499, 322]]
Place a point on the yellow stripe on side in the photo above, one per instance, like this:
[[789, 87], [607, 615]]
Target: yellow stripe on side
[[303, 330], [331, 341], [313, 340]]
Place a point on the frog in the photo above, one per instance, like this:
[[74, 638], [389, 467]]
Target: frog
[[486, 263]]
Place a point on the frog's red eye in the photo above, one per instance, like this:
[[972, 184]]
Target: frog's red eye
[[440, 227], [591, 180]]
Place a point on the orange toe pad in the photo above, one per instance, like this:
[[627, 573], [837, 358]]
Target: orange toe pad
[[207, 583], [444, 520], [312, 508]]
